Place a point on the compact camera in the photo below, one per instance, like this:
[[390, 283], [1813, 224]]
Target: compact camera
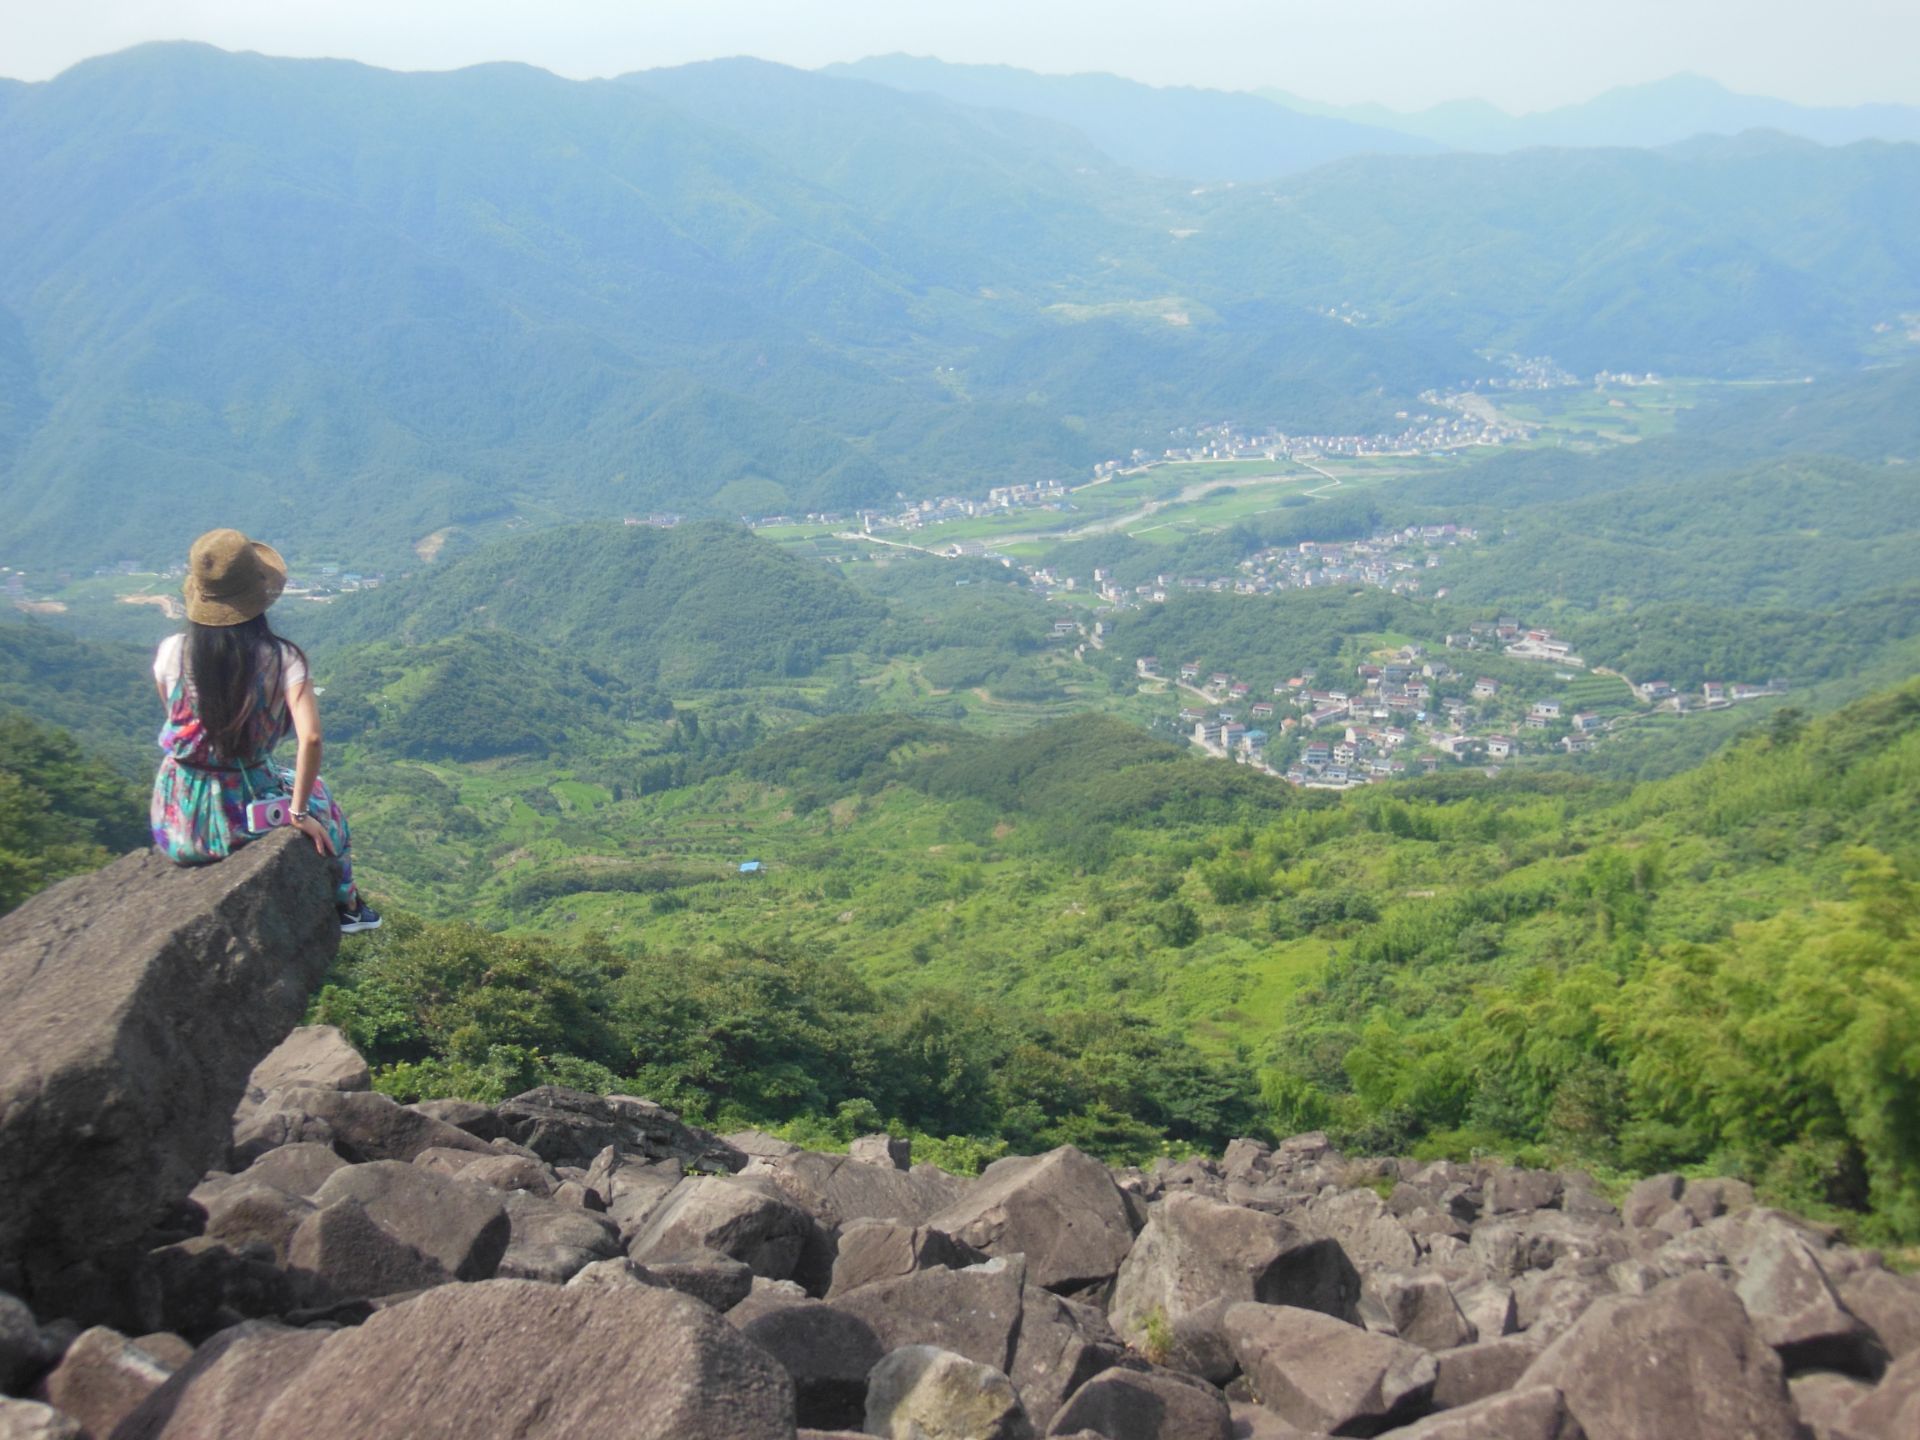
[[264, 815]]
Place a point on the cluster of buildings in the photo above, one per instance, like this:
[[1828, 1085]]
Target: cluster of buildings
[[1421, 434], [1391, 718], [1396, 560], [1520, 642]]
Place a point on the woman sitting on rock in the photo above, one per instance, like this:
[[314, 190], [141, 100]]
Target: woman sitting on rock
[[233, 691]]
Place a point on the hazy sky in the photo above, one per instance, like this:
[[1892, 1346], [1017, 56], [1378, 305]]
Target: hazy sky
[[1524, 54]]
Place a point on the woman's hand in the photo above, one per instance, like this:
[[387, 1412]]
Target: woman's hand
[[316, 832]]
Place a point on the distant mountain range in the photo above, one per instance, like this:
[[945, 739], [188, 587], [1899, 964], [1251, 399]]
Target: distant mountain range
[[363, 311], [1190, 133], [1214, 135], [1661, 112]]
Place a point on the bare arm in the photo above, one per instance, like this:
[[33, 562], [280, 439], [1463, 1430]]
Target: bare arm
[[305, 708]]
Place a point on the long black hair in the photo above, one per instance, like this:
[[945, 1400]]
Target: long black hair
[[225, 665]]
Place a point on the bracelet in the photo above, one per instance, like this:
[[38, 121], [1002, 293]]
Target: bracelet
[[298, 815]]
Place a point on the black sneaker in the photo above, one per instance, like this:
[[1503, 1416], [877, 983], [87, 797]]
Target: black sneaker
[[362, 917]]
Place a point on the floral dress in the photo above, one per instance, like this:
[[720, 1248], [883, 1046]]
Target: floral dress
[[199, 809]]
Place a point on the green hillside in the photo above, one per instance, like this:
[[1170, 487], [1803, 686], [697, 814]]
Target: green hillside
[[440, 305], [1445, 966], [62, 811], [703, 604]]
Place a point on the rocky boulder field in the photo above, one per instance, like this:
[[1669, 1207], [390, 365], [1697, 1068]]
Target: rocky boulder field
[[326, 1262]]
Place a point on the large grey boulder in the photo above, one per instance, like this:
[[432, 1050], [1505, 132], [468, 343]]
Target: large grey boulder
[[1892, 1410], [1061, 1344], [1323, 1374], [361, 1125], [221, 1393], [102, 1379], [313, 1055], [1889, 1303], [974, 1312], [137, 1000], [630, 1190], [920, 1392], [1199, 1256], [1145, 1405], [31, 1420], [1061, 1210], [299, 1169], [1473, 1372], [551, 1241], [1787, 1294], [462, 1228], [1685, 1363], [871, 1250], [1538, 1412], [539, 1362], [837, 1189], [571, 1127], [828, 1352], [765, 1233], [1421, 1308]]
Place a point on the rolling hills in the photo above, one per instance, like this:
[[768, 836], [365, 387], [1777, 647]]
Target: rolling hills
[[357, 309]]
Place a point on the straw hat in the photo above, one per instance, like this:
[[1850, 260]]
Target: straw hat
[[231, 579]]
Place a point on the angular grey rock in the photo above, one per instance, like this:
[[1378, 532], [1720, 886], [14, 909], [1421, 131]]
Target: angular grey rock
[[1256, 1422], [1507, 1190], [1485, 1368], [222, 1392], [298, 1169], [362, 1125], [1538, 1412], [571, 1127], [975, 1313], [1823, 1397], [30, 1420], [1370, 1234], [169, 1349], [1685, 1363], [553, 1242], [631, 1190], [837, 1190], [539, 1362], [1247, 1161], [1892, 1410], [313, 1055], [1539, 1240], [1550, 1301], [829, 1354], [1489, 1307], [1061, 1344], [477, 1120], [882, 1150], [102, 1379], [1707, 1200], [1890, 1304], [920, 1392], [1320, 1373], [253, 1214], [871, 1250], [22, 1356], [463, 1228], [341, 1252], [1650, 1199], [514, 1174], [1198, 1256], [127, 1051], [766, 1234], [1145, 1405], [708, 1276], [1061, 1210], [1797, 1312], [759, 1145], [1421, 1308]]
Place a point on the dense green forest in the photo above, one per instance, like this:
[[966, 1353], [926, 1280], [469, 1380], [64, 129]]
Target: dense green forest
[[62, 811], [704, 604], [1446, 966]]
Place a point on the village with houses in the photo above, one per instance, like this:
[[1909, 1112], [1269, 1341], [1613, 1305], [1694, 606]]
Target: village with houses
[[1409, 711]]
